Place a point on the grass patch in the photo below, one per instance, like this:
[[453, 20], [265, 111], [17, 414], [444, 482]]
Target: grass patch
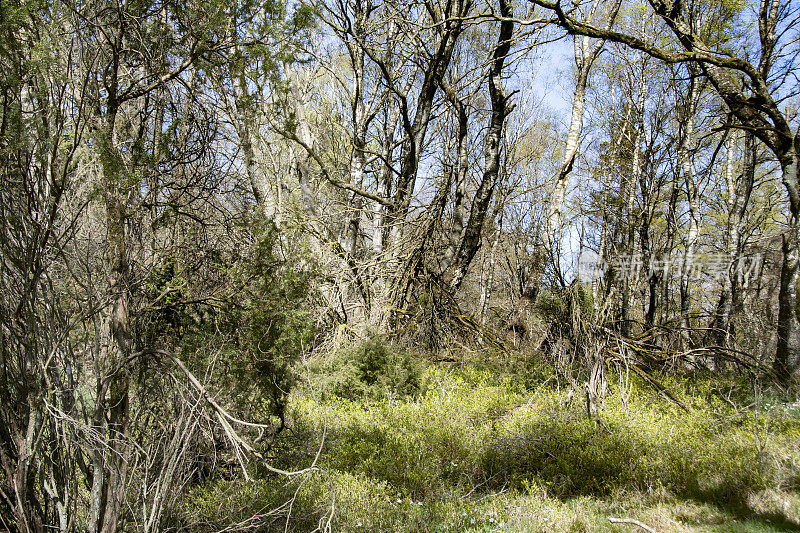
[[471, 451]]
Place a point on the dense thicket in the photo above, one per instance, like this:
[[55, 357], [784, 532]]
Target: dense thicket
[[196, 197]]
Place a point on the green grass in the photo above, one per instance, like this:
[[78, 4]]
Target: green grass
[[476, 452]]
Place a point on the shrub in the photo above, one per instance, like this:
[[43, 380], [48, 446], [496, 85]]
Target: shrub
[[552, 306], [467, 428], [372, 370], [472, 450]]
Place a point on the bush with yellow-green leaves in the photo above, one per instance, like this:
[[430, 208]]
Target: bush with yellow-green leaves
[[475, 451]]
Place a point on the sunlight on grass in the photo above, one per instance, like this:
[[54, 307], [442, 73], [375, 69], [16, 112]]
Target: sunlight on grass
[[476, 452]]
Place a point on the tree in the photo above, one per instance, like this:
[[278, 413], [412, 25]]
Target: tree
[[42, 129], [586, 50], [500, 108], [751, 92]]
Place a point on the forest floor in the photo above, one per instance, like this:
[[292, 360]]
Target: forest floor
[[510, 447]]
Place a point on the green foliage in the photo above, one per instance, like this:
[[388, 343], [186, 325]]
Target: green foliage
[[556, 306], [168, 316], [552, 306], [266, 317], [304, 17], [372, 370], [469, 430], [583, 300], [478, 452], [255, 329], [212, 505]]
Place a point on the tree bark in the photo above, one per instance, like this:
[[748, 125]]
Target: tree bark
[[471, 239], [787, 353], [488, 273], [586, 51], [451, 24], [685, 160], [110, 463], [738, 193]]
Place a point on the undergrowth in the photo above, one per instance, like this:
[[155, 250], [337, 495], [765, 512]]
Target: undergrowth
[[455, 449]]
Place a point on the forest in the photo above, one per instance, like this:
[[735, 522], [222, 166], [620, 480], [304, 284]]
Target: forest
[[371, 265]]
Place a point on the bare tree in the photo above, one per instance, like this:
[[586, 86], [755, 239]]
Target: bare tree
[[586, 51], [500, 108], [749, 91]]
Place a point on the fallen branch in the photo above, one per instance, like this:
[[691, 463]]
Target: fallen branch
[[226, 420], [659, 387], [631, 521], [642, 373]]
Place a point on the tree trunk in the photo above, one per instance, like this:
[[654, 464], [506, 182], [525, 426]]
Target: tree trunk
[[461, 166], [480, 204], [487, 274], [738, 196], [358, 160], [787, 353], [631, 183], [298, 163], [586, 52], [110, 462], [357, 166], [415, 130], [685, 163]]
